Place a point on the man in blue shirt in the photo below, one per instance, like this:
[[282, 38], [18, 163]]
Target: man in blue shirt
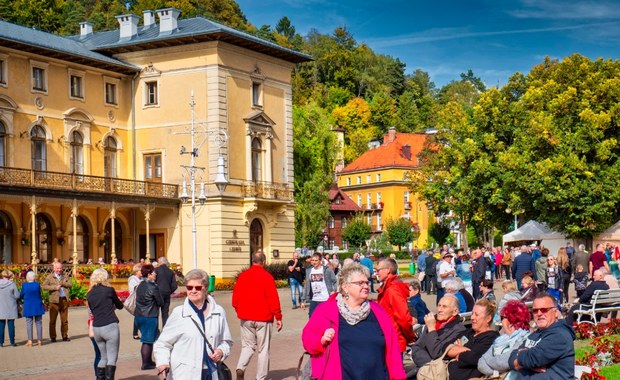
[[422, 268], [367, 262]]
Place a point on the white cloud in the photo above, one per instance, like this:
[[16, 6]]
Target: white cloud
[[444, 34], [567, 9]]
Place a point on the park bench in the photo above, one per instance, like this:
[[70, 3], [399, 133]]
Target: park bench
[[603, 301]]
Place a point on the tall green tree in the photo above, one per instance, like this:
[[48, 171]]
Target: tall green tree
[[357, 231], [399, 232]]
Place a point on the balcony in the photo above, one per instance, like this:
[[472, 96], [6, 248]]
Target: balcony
[[267, 190], [377, 206], [67, 185], [407, 205]]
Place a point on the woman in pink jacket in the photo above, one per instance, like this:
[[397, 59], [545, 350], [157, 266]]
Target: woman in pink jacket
[[350, 337]]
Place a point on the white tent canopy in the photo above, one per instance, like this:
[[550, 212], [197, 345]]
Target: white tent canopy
[[535, 231]]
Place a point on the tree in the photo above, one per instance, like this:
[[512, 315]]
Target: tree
[[357, 231], [285, 28], [439, 232], [399, 232]]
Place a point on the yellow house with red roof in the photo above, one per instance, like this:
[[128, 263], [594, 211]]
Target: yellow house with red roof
[[377, 181]]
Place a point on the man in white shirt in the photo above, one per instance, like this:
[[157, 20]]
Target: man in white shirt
[[320, 283], [445, 272]]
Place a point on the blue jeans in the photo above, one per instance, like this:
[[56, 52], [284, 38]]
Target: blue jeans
[[313, 305], [11, 323], [295, 288]]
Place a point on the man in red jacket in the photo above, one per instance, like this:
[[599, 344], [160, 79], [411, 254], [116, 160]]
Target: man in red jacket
[[392, 297], [256, 302]]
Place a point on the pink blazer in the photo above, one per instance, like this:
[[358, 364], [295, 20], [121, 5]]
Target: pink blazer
[[327, 366]]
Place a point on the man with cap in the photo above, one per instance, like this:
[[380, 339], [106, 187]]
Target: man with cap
[[535, 253], [445, 272]]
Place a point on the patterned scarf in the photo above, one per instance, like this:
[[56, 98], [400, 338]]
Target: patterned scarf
[[352, 317]]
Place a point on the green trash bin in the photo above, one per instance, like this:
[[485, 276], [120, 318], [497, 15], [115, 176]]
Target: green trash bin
[[411, 268], [211, 284]]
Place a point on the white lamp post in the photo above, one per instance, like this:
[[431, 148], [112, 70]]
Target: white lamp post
[[220, 179]]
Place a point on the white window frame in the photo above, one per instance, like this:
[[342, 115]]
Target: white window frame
[[44, 68], [348, 181], [406, 196], [81, 75], [114, 82], [4, 70], [146, 93], [368, 200], [378, 198], [359, 200], [359, 179], [343, 222], [379, 222], [331, 223], [367, 178], [369, 219], [378, 177]]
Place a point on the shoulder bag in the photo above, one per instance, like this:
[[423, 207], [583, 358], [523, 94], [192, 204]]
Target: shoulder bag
[[223, 372], [130, 303], [435, 369]]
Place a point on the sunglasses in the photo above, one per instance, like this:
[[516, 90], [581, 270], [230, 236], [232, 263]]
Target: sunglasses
[[542, 310], [197, 287]]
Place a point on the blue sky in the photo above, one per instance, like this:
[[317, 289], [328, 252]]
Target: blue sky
[[494, 38]]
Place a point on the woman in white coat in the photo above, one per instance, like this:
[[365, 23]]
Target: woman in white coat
[[181, 351]]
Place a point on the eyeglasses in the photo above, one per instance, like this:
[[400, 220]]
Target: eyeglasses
[[361, 284], [542, 310], [502, 317], [380, 269], [197, 287]]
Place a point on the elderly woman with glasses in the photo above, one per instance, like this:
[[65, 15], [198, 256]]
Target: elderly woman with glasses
[[181, 349], [348, 327], [515, 318]]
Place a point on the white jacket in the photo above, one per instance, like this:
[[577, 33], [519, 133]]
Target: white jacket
[[181, 346]]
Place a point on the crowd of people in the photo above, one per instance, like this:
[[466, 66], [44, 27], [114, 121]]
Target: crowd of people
[[524, 331]]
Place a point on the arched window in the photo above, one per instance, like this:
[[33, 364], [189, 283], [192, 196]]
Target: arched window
[[82, 240], [2, 144], [6, 232], [77, 160], [39, 153], [109, 157], [256, 160]]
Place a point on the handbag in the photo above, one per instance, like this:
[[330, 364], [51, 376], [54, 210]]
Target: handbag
[[305, 372], [223, 372], [20, 310], [130, 303], [435, 369], [421, 276]]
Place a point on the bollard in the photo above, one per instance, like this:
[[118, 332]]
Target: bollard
[[411, 268], [211, 284]]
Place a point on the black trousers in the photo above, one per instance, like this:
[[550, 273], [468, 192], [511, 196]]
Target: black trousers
[[165, 310]]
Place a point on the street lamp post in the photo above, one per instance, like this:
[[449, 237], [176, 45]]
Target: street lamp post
[[220, 179]]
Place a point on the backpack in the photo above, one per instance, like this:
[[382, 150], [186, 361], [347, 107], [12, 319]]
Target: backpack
[[433, 269]]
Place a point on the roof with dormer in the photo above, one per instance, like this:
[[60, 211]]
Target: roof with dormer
[[50, 45], [188, 31], [390, 154], [339, 201]]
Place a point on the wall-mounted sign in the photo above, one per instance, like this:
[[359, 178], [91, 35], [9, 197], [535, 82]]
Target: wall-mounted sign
[[234, 244]]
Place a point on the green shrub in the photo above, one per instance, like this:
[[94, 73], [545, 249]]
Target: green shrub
[[77, 291]]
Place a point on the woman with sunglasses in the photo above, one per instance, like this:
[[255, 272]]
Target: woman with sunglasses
[[181, 351], [148, 301], [348, 327], [515, 318]]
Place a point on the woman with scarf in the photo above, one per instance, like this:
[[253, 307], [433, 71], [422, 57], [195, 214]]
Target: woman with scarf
[[468, 350], [181, 351], [439, 332], [515, 329], [348, 327]]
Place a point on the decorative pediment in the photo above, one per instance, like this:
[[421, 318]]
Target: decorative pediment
[[258, 123], [257, 74], [6, 103], [77, 119], [149, 71]]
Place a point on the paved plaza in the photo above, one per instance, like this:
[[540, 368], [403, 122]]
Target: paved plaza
[[74, 360]]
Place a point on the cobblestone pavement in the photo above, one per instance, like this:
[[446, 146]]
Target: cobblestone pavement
[[74, 359]]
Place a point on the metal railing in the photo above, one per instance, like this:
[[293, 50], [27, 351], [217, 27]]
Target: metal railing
[[85, 183], [267, 190]]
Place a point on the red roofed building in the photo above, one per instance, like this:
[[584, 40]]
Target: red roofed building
[[377, 182], [342, 209]]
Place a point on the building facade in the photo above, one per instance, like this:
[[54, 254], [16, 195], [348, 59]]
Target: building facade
[[341, 209], [377, 181], [99, 131]]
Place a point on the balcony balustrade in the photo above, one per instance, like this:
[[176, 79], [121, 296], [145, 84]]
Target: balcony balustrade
[[267, 190], [81, 183]]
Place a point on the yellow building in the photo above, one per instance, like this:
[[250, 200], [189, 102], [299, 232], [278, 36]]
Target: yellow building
[[96, 139], [377, 182]]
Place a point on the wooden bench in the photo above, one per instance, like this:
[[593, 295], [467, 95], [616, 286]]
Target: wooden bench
[[603, 301]]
